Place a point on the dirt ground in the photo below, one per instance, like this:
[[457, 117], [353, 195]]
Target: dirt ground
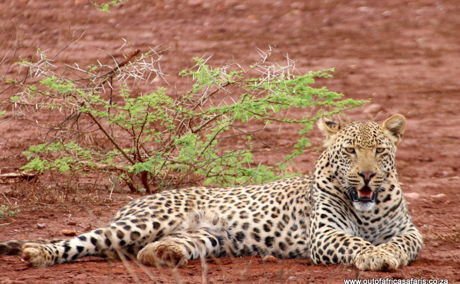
[[404, 55]]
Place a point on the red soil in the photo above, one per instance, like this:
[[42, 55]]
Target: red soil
[[403, 55]]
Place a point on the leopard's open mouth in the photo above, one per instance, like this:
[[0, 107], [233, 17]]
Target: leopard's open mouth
[[365, 194]]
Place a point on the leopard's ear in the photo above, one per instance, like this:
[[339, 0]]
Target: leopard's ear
[[329, 128], [394, 127]]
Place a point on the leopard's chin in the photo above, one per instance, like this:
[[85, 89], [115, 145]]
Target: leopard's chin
[[363, 205]]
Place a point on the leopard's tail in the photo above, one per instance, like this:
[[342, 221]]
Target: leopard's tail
[[13, 247]]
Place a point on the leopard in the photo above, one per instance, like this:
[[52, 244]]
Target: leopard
[[350, 211]]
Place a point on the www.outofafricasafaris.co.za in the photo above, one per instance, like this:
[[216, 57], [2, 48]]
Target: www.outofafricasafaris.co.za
[[396, 281]]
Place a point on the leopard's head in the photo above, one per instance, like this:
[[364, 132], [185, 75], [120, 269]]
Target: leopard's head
[[361, 156]]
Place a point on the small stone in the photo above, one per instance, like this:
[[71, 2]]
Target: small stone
[[240, 7], [412, 195], [41, 225], [269, 258], [69, 233], [364, 9], [386, 13], [71, 223], [439, 195]]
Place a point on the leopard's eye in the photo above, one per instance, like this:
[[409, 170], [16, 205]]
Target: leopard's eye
[[379, 150], [350, 150]]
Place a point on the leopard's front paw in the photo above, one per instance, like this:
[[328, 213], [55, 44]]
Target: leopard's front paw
[[36, 255], [400, 255], [166, 254], [376, 259]]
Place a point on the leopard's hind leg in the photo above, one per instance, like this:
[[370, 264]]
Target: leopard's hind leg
[[125, 236], [202, 235], [13, 247], [95, 242]]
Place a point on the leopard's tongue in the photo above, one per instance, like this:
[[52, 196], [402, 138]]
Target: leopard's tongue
[[365, 193]]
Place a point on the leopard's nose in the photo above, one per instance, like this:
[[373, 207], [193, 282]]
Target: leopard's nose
[[367, 176]]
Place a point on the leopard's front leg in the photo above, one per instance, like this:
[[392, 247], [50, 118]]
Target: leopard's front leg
[[404, 248], [332, 246]]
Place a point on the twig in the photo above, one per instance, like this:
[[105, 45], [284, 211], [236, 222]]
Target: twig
[[69, 44], [6, 198], [205, 124], [117, 68], [111, 139], [12, 177]]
